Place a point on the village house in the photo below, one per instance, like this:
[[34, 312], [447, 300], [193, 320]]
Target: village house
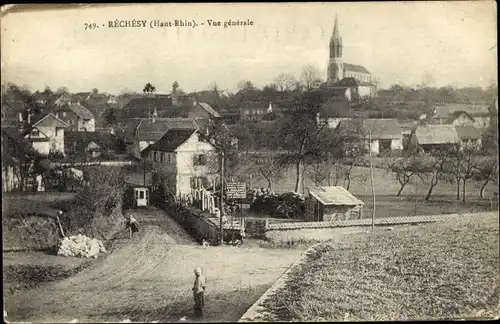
[[22, 165], [328, 204], [92, 144], [435, 137], [13, 113], [253, 111], [185, 155], [386, 134], [142, 132], [77, 116], [470, 136], [46, 133]]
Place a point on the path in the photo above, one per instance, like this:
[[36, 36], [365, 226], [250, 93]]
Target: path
[[149, 278]]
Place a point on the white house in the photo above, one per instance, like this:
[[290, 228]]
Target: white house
[[47, 134], [77, 116], [185, 155]]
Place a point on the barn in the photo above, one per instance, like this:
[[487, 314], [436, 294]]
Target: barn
[[333, 203]]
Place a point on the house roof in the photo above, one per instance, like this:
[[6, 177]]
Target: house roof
[[172, 139], [38, 119], [152, 131], [141, 107], [381, 128], [437, 134], [81, 111], [209, 109], [355, 68], [82, 139], [468, 132], [458, 113], [96, 107], [334, 195]]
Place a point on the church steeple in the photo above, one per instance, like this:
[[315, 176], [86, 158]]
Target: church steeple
[[335, 65], [336, 41]]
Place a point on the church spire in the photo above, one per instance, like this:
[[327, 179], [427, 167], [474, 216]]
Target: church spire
[[335, 34]]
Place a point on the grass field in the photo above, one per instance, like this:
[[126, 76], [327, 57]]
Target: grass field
[[437, 271]]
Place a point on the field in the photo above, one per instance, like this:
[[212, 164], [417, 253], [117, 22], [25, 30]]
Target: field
[[435, 271]]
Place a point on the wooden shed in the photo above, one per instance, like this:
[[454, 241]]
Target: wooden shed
[[332, 204]]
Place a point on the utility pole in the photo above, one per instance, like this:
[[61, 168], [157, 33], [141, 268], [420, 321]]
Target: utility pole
[[221, 201], [371, 177]]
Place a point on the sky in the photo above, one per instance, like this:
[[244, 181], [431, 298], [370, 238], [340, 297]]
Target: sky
[[398, 42]]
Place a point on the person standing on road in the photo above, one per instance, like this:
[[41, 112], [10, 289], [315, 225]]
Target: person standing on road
[[132, 225], [199, 293]]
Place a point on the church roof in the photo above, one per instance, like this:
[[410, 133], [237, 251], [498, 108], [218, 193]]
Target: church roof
[[351, 82], [355, 68]]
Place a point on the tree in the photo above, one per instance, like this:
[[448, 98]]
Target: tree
[[404, 169], [245, 85], [95, 91], [434, 169], [270, 165], [486, 170], [285, 82], [310, 77], [318, 172], [175, 86], [462, 166], [149, 89], [300, 132], [62, 90]]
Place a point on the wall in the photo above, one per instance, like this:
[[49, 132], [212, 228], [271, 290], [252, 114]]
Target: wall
[[56, 136], [42, 147], [67, 115], [86, 125], [396, 144], [481, 122], [339, 213], [185, 164], [256, 227], [463, 120]]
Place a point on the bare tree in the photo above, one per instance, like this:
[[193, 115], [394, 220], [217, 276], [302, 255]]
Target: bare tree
[[270, 165], [318, 173], [434, 169], [310, 77], [285, 82], [405, 169], [486, 170]]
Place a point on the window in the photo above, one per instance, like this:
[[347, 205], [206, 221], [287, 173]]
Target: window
[[200, 159], [155, 156], [35, 132], [64, 114], [162, 155], [58, 131], [72, 122]]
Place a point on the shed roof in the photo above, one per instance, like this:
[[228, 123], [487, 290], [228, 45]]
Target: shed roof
[[437, 134], [335, 195]]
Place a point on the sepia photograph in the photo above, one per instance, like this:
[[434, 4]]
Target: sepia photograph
[[250, 162]]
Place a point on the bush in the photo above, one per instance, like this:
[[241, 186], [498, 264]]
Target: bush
[[287, 205]]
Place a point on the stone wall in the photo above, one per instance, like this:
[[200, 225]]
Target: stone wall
[[309, 232], [256, 227]]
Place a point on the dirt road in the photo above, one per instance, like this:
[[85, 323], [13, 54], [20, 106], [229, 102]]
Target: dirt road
[[149, 278]]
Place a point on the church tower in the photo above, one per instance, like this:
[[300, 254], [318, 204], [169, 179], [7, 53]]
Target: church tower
[[335, 65]]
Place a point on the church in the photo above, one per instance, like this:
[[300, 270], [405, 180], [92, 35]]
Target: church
[[349, 80]]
